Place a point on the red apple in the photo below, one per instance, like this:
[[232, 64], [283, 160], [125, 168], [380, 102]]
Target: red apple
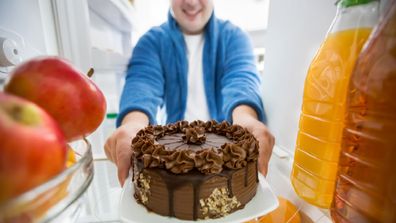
[[32, 146], [69, 96]]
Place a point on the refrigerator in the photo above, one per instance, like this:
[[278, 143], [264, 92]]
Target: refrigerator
[[101, 34]]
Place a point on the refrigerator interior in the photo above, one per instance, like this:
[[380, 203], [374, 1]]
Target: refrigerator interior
[[101, 34]]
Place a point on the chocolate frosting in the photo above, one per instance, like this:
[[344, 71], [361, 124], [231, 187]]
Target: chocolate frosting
[[206, 146], [209, 161], [234, 156], [195, 135], [180, 161]]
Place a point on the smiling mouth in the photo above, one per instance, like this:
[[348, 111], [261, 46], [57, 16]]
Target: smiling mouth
[[191, 15]]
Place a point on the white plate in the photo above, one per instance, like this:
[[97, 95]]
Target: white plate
[[264, 202]]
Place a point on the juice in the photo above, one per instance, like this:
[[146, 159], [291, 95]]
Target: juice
[[366, 184], [321, 121]]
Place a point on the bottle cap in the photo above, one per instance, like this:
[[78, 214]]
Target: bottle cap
[[349, 3]]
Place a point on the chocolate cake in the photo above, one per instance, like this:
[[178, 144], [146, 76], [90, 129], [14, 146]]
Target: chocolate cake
[[195, 170]]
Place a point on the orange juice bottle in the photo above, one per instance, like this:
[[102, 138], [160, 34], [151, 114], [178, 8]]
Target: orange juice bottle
[[366, 183], [321, 121]]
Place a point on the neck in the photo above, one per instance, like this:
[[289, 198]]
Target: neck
[[192, 33]]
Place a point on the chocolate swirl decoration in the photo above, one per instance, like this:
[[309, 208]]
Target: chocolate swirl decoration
[[251, 146], [209, 126], [197, 123], [194, 135], [221, 128], [236, 132], [239, 148], [155, 158], [179, 162], [145, 149], [181, 125], [209, 161], [141, 144], [234, 156]]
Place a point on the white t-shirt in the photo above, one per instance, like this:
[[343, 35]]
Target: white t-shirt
[[197, 106]]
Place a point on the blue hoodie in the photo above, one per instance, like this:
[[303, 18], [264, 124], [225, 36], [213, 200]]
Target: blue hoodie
[[157, 73]]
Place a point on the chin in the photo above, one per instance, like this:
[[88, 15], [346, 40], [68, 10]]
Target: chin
[[194, 29]]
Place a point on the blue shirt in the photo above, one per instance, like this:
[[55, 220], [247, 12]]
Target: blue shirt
[[157, 72]]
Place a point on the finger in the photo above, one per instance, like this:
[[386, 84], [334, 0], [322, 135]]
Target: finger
[[117, 148], [123, 157], [107, 151], [268, 142], [263, 165], [263, 168], [110, 149], [124, 164], [272, 141], [265, 152]]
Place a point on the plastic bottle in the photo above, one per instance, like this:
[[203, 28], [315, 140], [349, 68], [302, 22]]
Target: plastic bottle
[[321, 121], [366, 184]]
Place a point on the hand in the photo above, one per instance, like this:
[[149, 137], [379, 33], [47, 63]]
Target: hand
[[266, 143], [118, 145], [246, 117]]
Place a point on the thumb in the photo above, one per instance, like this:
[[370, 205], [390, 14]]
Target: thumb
[[262, 166], [124, 154], [123, 169]]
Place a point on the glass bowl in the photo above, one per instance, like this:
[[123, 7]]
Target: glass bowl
[[58, 199]]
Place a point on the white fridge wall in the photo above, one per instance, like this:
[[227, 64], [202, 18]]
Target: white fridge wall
[[33, 21], [295, 31], [30, 25], [251, 15]]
